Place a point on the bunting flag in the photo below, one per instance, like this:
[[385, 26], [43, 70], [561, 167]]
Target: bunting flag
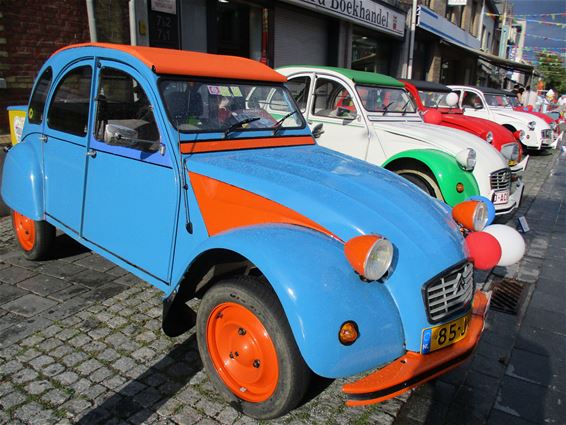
[[531, 15], [542, 37], [556, 24]]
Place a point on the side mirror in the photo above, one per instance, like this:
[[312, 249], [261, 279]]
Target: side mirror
[[317, 131], [119, 135], [345, 113]]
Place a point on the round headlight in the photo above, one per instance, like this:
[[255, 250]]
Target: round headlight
[[467, 159], [489, 137], [532, 125], [472, 215], [370, 255]]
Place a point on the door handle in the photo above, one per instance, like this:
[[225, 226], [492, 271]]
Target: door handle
[[43, 138], [91, 153]]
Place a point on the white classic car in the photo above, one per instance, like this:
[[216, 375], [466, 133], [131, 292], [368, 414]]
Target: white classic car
[[372, 117], [491, 104]]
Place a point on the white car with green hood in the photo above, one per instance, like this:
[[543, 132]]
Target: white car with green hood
[[372, 117]]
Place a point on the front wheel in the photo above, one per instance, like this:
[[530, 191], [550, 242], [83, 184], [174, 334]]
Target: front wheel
[[423, 181], [248, 349], [34, 237]]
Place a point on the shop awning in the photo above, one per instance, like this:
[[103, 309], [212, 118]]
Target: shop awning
[[495, 60]]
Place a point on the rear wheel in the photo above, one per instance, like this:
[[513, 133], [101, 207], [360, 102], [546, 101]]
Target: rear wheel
[[34, 237], [248, 349], [423, 181]]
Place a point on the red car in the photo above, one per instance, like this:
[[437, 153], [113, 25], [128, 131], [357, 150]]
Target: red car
[[433, 101]]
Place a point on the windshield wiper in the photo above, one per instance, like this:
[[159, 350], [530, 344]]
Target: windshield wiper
[[387, 106], [277, 126], [405, 106], [239, 124]]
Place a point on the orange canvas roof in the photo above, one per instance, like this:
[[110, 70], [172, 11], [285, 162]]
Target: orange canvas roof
[[183, 62]]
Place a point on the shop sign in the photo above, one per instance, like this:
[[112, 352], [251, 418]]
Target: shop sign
[[442, 27], [165, 6], [367, 13], [457, 2]]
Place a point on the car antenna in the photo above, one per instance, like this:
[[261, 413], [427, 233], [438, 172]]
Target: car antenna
[[188, 223]]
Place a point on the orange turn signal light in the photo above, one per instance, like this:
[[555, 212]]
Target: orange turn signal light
[[348, 333]]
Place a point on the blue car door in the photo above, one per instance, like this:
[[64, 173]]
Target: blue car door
[[65, 137], [132, 191]]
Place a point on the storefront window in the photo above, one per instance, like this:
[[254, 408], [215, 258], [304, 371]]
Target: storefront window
[[371, 54], [239, 29]]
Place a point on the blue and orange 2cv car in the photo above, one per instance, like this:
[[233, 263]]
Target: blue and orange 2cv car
[[172, 165]]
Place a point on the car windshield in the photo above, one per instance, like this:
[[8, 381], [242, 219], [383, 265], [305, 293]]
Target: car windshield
[[496, 100], [386, 99], [513, 101], [434, 99], [220, 106]]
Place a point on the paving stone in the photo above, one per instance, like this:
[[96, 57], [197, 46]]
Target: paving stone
[[28, 355], [101, 374], [24, 375], [548, 371], [88, 367], [9, 293], [53, 369], [76, 406], [95, 262], [533, 403], [115, 382], [61, 350], [106, 291], [547, 320], [28, 412], [144, 354], [541, 342], [38, 387], [43, 285], [49, 345], [69, 292], [29, 305], [129, 280], [148, 397], [12, 399], [40, 362], [95, 347], [74, 358], [79, 340], [67, 378], [13, 275], [11, 367], [498, 417], [59, 269]]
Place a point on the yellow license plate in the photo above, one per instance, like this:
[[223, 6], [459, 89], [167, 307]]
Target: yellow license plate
[[444, 335]]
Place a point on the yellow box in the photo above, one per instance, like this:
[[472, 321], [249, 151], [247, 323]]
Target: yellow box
[[17, 116]]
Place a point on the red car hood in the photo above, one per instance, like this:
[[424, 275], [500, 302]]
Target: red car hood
[[477, 126]]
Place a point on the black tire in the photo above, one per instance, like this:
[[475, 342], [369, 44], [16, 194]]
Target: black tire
[[43, 240], [293, 373], [423, 181]]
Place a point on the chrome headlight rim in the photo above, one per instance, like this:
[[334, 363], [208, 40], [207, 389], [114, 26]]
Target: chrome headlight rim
[[379, 259], [467, 159], [489, 137]]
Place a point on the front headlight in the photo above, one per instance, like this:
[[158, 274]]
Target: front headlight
[[489, 137], [467, 159], [532, 125], [552, 125], [511, 152], [371, 256]]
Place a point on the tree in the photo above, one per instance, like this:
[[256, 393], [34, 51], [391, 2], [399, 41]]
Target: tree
[[551, 66]]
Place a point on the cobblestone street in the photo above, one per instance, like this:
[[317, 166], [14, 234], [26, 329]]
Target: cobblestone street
[[81, 341]]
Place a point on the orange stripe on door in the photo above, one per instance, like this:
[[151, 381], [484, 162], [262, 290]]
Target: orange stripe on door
[[226, 207]]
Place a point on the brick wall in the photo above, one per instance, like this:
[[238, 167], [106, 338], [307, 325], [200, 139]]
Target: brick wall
[[31, 30]]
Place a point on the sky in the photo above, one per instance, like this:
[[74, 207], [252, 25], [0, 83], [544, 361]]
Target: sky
[[537, 31]]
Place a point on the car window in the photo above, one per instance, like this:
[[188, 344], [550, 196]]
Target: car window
[[386, 99], [471, 100], [39, 96], [299, 88], [332, 99], [69, 108], [124, 115]]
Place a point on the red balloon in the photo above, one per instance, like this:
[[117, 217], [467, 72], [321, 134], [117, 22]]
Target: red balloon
[[484, 249], [432, 116]]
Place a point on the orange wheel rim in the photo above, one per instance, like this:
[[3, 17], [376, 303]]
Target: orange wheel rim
[[242, 352], [25, 231]]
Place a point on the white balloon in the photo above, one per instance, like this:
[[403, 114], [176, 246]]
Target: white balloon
[[511, 241], [452, 99]]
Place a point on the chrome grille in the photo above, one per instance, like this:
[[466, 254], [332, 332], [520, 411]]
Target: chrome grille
[[501, 179], [546, 133], [449, 293]]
